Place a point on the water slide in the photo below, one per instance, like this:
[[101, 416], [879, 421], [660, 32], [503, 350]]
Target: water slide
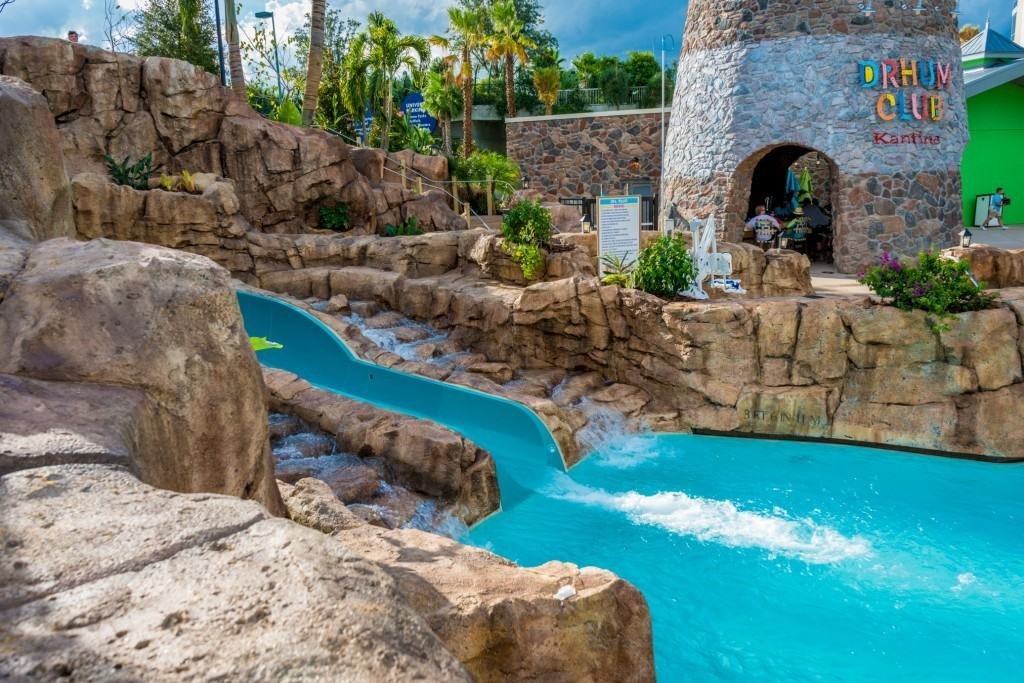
[[523, 449]]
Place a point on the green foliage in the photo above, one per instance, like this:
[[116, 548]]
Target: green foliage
[[404, 135], [168, 182], [188, 181], [475, 171], [335, 217], [526, 228], [547, 80], [288, 112], [408, 228], [133, 175], [937, 285], [263, 344], [182, 29], [618, 270], [664, 268]]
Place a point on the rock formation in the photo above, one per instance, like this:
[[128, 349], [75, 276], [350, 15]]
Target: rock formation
[[127, 106], [997, 268]]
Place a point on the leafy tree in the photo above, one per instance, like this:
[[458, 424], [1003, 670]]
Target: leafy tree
[[443, 101], [548, 81], [316, 61], [968, 31], [339, 33], [589, 68], [5, 3], [180, 29], [509, 43], [376, 57], [467, 31]]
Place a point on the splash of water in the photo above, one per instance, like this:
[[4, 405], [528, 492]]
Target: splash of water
[[720, 521], [388, 340]]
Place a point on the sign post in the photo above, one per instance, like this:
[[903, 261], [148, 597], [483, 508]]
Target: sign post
[[416, 115], [618, 228]]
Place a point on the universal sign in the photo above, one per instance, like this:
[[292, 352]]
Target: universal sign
[[902, 76]]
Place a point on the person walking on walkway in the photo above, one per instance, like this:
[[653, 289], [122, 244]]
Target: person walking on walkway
[[995, 209]]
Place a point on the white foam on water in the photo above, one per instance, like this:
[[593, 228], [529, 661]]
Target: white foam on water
[[388, 341], [627, 453], [720, 521], [963, 581]]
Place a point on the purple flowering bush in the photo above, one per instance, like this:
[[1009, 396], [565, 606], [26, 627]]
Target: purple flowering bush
[[940, 286]]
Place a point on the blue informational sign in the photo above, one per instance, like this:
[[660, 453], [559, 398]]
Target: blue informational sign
[[363, 127], [412, 107]]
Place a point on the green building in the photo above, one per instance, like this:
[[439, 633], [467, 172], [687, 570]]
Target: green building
[[994, 84]]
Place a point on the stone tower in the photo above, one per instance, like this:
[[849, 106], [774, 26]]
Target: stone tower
[[878, 96]]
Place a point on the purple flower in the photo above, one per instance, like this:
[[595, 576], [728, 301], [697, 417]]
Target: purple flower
[[890, 261], [921, 290]]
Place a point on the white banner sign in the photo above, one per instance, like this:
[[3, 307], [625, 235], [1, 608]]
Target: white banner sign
[[618, 228]]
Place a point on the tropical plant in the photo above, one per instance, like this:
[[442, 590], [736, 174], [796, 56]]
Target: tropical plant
[[339, 32], [168, 182], [335, 217], [548, 81], [467, 31], [133, 175], [935, 284], [442, 100], [665, 268], [234, 49], [526, 229], [287, 111], [474, 172], [404, 135], [181, 29], [376, 56], [618, 270], [407, 228], [315, 61], [508, 43]]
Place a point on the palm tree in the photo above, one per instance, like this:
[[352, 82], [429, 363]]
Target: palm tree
[[234, 53], [443, 101], [315, 64], [508, 43], [547, 80], [468, 32], [375, 58]]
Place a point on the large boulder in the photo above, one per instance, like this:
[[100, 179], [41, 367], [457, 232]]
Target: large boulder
[[34, 193], [556, 622], [105, 578], [161, 321]]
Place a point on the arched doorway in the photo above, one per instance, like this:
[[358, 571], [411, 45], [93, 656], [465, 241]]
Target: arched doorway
[[772, 172]]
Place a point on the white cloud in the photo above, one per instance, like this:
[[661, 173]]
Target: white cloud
[[87, 4]]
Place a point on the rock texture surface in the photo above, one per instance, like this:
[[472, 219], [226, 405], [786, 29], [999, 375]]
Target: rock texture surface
[[129, 106], [154, 337], [417, 454], [503, 622], [105, 578], [33, 180], [830, 368], [997, 268]]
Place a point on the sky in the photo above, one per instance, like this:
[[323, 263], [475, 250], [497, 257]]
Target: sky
[[598, 25]]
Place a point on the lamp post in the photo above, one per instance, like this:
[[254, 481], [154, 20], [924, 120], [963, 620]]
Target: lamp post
[[662, 165], [277, 60], [965, 238], [671, 220]]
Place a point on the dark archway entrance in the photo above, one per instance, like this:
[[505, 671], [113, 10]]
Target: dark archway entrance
[[769, 187]]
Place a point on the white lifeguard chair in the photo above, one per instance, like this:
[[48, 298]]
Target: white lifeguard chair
[[711, 264]]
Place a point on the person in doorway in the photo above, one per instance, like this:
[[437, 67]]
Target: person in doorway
[[995, 209], [765, 227], [73, 36]]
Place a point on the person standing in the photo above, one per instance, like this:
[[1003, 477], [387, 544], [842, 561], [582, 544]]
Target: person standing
[[73, 36], [995, 209]]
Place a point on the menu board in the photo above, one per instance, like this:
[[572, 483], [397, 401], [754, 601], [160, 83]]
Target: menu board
[[618, 228]]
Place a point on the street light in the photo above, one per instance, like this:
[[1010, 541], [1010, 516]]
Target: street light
[[277, 60], [965, 238], [663, 38]]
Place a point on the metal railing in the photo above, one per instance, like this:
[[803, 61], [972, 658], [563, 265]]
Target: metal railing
[[588, 209], [637, 97]]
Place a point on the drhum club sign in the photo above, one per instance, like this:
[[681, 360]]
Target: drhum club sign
[[909, 90]]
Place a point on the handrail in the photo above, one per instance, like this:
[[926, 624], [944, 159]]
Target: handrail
[[455, 200]]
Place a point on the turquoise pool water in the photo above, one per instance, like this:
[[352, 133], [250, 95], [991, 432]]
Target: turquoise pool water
[[761, 560], [781, 561]]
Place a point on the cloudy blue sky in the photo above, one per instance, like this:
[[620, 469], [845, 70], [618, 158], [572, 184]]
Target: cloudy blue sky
[[605, 26]]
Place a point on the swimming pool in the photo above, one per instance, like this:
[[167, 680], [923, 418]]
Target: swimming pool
[[760, 560], [782, 561]]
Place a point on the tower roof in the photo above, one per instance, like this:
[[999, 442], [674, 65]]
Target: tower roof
[[991, 44]]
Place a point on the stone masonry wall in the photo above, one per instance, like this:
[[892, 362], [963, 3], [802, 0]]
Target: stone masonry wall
[[754, 76], [574, 156]]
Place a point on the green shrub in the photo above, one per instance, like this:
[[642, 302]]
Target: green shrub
[[133, 175], [287, 112], [335, 218], [526, 229], [474, 172], [408, 228], [618, 270], [665, 268], [527, 222], [937, 285]]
